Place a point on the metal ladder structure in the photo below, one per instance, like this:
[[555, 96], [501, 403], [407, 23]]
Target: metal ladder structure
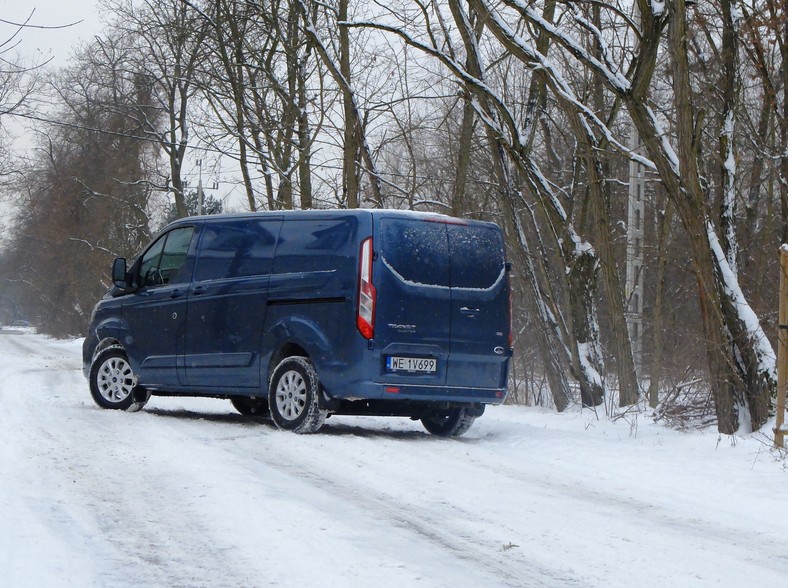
[[782, 351]]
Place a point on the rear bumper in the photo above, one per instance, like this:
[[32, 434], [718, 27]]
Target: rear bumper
[[422, 393], [414, 409]]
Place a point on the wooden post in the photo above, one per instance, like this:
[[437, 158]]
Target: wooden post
[[782, 350]]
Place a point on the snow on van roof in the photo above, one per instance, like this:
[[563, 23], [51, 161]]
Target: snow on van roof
[[424, 215]]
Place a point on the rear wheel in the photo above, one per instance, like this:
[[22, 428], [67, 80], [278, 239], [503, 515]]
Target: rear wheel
[[113, 384], [293, 393], [448, 423], [250, 406]]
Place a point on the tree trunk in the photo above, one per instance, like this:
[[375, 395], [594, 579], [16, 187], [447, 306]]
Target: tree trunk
[[547, 334], [458, 206], [784, 131], [756, 182], [582, 281], [350, 183], [597, 161], [730, 94], [355, 139], [304, 143], [233, 63], [663, 230]]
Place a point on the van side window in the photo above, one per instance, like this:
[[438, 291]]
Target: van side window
[[163, 262], [315, 245], [237, 249]]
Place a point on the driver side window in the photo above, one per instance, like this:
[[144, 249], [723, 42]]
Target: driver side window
[[162, 263]]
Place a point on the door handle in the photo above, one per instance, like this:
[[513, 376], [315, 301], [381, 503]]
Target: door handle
[[469, 312], [199, 290], [176, 294]]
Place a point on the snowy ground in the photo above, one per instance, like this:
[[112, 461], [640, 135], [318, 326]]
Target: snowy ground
[[189, 493]]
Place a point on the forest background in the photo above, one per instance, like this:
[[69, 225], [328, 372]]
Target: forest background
[[636, 155]]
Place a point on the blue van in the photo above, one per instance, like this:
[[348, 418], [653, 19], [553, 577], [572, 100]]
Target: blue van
[[304, 314]]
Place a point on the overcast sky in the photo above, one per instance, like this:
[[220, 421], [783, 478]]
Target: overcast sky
[[41, 43], [37, 45]]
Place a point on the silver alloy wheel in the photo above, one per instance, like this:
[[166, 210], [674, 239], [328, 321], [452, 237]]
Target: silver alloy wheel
[[115, 380], [291, 395]]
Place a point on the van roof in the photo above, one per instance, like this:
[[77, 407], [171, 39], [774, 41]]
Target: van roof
[[328, 213]]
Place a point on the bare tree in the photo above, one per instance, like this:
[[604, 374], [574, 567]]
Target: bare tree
[[357, 154], [84, 195], [738, 352], [165, 41]]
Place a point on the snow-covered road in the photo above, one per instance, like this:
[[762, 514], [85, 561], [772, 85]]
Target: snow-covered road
[[189, 493]]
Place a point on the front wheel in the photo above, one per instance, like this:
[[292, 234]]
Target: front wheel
[[293, 393], [448, 423], [113, 384]]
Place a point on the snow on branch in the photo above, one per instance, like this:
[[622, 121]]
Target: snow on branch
[[529, 54], [604, 49], [667, 148], [92, 246], [470, 81], [614, 78], [767, 361]]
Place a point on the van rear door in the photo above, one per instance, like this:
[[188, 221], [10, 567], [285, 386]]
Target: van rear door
[[443, 294], [479, 306], [413, 309]]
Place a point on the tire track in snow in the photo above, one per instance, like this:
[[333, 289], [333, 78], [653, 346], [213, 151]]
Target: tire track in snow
[[716, 536], [147, 517], [86, 483], [424, 524]]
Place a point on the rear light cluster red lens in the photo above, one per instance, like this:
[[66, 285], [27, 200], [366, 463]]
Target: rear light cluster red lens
[[365, 313]]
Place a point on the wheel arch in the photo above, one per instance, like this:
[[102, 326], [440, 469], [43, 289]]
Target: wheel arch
[[295, 336], [104, 344], [285, 350], [113, 343]]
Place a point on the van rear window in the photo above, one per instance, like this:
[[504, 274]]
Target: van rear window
[[440, 254], [477, 256], [417, 250]]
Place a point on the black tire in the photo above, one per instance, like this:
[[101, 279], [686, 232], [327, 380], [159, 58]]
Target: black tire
[[448, 423], [248, 406], [293, 393], [113, 384]]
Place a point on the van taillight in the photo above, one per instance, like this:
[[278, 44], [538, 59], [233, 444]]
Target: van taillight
[[365, 313]]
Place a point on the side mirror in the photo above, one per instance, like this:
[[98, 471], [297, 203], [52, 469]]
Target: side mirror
[[119, 273]]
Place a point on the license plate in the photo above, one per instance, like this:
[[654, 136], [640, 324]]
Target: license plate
[[411, 364]]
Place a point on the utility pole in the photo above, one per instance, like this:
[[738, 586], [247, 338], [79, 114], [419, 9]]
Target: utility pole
[[635, 232], [200, 196]]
